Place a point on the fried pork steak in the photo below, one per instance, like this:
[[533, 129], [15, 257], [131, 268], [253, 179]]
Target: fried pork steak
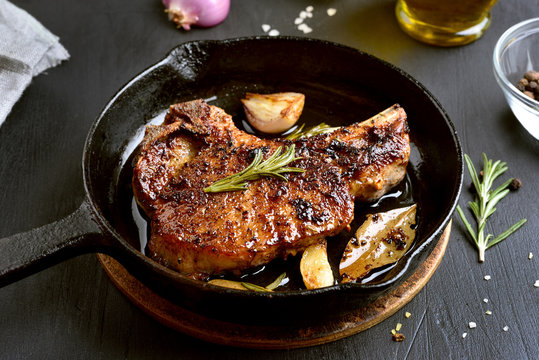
[[201, 234]]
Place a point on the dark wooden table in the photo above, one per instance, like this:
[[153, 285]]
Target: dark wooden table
[[72, 310]]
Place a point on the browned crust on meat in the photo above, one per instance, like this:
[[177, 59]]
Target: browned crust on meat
[[201, 234]]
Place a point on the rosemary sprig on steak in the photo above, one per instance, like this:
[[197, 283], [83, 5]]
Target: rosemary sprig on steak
[[321, 128], [273, 166]]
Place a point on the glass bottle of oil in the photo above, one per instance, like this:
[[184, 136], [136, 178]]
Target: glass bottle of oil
[[444, 22]]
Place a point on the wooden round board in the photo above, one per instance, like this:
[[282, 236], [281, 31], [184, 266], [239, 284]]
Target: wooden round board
[[273, 337]]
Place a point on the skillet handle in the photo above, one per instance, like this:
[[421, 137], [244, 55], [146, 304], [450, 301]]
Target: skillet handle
[[30, 252]]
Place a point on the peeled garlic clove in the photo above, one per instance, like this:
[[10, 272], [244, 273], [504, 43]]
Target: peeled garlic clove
[[315, 268], [273, 113], [382, 239]]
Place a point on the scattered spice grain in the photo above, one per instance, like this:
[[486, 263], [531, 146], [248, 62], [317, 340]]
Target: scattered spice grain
[[407, 315], [515, 184]]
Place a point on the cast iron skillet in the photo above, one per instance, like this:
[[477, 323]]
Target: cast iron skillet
[[342, 86]]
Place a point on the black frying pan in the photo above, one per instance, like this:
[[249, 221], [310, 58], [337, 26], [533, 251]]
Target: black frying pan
[[342, 86]]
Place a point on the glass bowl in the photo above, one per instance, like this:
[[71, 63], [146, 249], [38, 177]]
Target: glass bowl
[[515, 53]]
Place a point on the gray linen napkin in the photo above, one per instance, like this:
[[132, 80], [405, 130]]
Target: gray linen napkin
[[26, 49]]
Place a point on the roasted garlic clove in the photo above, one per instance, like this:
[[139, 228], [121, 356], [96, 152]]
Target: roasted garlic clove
[[382, 239], [315, 268], [273, 113]]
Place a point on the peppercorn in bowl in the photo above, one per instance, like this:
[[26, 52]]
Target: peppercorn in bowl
[[516, 68]]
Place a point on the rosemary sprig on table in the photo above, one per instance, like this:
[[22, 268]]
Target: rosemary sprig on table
[[273, 166], [321, 128], [484, 204]]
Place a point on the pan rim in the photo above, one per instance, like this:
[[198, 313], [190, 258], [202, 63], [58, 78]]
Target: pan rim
[[177, 277]]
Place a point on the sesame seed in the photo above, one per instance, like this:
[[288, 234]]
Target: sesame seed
[[266, 27], [309, 8], [298, 21], [472, 325], [331, 11], [398, 327], [536, 283], [488, 312], [273, 32], [464, 335], [530, 255], [393, 331], [407, 315]]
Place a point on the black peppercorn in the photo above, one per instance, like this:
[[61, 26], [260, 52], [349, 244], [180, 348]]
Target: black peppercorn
[[524, 82], [532, 75], [529, 84], [515, 184]]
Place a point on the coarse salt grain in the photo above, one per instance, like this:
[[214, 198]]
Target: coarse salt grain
[[485, 300], [331, 11], [472, 325], [488, 312], [309, 8], [530, 255], [273, 32], [305, 28], [487, 277], [536, 283], [506, 328], [464, 335], [266, 27], [298, 21]]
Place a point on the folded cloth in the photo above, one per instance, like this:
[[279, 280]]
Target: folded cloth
[[27, 48]]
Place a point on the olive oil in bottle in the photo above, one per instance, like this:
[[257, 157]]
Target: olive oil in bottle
[[444, 22]]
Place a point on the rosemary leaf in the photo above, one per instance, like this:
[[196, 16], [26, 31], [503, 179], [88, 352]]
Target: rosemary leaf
[[242, 285], [273, 166], [506, 233], [485, 203], [467, 224], [254, 287], [501, 188], [277, 282], [321, 128]]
